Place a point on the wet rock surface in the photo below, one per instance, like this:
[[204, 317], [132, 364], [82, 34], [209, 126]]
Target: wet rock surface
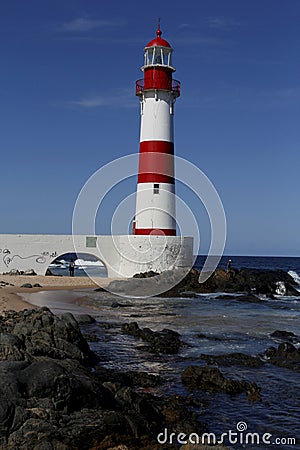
[[285, 336], [53, 396], [248, 281], [165, 341], [185, 283], [211, 379], [36, 333], [233, 359], [285, 355]]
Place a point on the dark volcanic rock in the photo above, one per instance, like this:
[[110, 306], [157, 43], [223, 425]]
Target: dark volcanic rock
[[131, 378], [233, 359], [175, 283], [100, 289], [27, 285], [249, 298], [84, 319], [286, 355], [121, 305], [5, 283], [29, 272], [212, 380], [165, 341], [251, 281], [284, 336], [41, 333], [149, 274], [51, 399]]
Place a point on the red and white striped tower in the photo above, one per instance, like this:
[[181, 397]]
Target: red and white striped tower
[[155, 200]]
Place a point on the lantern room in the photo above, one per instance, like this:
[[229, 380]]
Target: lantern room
[[158, 52], [161, 56]]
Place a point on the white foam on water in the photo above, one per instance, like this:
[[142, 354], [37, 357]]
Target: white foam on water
[[280, 288], [82, 263], [294, 275], [58, 266]]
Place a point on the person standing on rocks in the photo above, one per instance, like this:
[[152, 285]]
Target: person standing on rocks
[[72, 267], [228, 265]]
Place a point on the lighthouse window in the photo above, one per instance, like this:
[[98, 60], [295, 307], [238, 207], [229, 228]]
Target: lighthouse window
[[149, 57], [158, 59], [156, 188]]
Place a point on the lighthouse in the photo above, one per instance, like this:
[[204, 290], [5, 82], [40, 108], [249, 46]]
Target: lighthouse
[[153, 245], [157, 91]]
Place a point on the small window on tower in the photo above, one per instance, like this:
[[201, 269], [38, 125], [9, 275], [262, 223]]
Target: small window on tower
[[156, 188]]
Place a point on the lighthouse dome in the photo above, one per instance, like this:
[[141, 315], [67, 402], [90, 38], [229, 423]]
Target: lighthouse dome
[[158, 41]]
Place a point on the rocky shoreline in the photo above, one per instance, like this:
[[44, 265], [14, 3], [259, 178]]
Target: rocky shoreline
[[180, 283], [56, 395]]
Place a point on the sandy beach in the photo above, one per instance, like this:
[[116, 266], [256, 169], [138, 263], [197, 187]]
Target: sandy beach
[[11, 294]]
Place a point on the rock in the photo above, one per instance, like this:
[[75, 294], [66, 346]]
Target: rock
[[11, 348], [44, 334], [121, 305], [286, 355], [212, 380], [14, 272], [5, 283], [251, 281], [29, 272], [131, 378], [241, 298], [84, 319], [233, 359], [91, 337], [147, 286], [27, 285], [67, 383], [148, 274], [49, 273], [284, 335], [51, 399], [165, 341]]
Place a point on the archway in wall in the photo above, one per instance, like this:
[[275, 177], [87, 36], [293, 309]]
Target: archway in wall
[[86, 264]]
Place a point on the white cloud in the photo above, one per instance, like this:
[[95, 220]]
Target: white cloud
[[222, 23], [125, 98], [184, 25], [83, 24], [90, 102]]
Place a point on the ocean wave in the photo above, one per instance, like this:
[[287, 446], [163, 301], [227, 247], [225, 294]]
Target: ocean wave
[[82, 263], [294, 274], [57, 266]]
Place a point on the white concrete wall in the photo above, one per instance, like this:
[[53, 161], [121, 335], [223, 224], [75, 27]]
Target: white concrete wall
[[123, 256]]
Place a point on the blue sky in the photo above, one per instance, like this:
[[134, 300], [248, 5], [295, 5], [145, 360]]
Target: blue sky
[[68, 106]]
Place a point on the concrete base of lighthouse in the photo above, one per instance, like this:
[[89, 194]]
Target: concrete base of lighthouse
[[123, 256]]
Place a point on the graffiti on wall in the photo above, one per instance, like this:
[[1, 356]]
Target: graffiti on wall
[[8, 257]]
